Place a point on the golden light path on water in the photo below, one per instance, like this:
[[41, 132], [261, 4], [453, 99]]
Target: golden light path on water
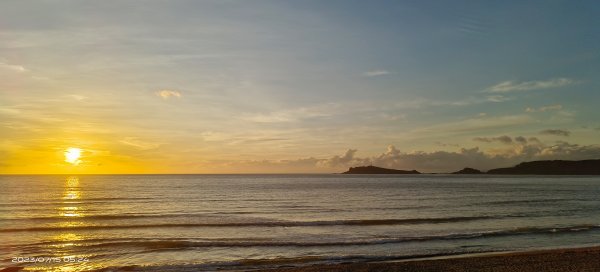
[[71, 198], [65, 243]]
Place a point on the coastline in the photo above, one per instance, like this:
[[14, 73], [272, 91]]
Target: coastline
[[581, 259]]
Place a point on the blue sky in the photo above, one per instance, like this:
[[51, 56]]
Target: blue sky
[[296, 86]]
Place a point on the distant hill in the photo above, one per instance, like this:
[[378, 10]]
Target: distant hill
[[377, 170], [557, 167], [586, 167], [468, 170]]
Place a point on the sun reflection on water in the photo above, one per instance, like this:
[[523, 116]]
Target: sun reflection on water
[[72, 192], [67, 244], [66, 239]]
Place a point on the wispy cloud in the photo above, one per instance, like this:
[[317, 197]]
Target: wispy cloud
[[545, 108], [512, 86], [502, 139], [376, 73], [556, 132], [479, 124], [472, 100], [393, 117], [498, 98], [166, 94], [77, 97], [139, 144], [472, 26], [292, 115], [12, 67]]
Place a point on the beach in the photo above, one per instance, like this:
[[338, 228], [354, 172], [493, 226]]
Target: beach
[[555, 260], [551, 260]]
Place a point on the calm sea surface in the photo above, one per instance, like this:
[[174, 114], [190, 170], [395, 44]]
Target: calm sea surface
[[208, 222]]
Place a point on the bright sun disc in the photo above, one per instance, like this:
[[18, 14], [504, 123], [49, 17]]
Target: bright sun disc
[[72, 155]]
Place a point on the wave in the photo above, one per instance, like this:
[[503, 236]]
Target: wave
[[528, 201], [79, 201], [106, 217], [352, 222], [171, 244], [458, 236]]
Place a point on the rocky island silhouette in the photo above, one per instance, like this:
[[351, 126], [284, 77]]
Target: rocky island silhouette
[[550, 167]]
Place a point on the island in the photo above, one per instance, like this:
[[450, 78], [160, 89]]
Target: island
[[377, 170], [467, 171], [555, 167]]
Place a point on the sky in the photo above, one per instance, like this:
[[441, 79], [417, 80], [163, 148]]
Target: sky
[[295, 86]]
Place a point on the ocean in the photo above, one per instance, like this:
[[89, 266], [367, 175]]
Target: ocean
[[242, 222]]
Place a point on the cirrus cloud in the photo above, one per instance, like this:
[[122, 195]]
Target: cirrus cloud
[[545, 108], [512, 86]]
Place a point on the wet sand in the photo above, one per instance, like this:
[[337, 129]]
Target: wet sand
[[558, 260]]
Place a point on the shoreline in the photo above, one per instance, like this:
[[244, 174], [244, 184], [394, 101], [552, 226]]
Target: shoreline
[[581, 259]]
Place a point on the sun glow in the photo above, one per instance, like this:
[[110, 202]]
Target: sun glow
[[72, 155]]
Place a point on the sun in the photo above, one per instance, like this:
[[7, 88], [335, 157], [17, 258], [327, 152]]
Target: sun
[[72, 155]]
